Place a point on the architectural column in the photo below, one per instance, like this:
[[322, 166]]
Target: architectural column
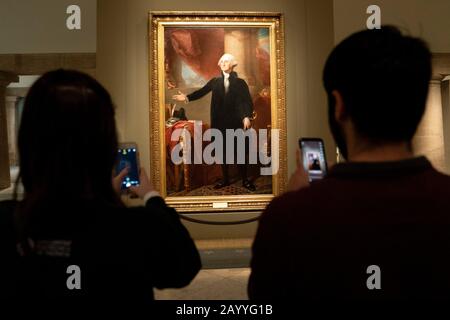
[[11, 110], [241, 44], [445, 93], [5, 179], [429, 138]]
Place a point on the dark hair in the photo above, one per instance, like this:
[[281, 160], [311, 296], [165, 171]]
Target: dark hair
[[383, 77], [67, 142]]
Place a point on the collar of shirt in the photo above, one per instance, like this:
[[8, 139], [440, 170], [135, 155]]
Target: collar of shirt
[[380, 169], [226, 75]]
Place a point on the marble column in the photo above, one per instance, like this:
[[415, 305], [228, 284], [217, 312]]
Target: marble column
[[429, 138], [5, 179]]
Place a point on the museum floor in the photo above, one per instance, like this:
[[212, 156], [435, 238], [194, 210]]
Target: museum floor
[[224, 275], [211, 284]]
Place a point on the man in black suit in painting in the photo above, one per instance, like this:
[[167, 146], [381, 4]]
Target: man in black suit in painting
[[231, 108]]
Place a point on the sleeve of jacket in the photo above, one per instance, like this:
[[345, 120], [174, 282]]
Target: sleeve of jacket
[[245, 100], [9, 266], [269, 256], [201, 92], [175, 260]]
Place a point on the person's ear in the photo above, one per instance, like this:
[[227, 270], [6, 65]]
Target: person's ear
[[339, 107]]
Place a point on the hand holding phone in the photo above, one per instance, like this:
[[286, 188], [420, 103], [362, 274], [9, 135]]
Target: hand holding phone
[[145, 185], [117, 180], [299, 179]]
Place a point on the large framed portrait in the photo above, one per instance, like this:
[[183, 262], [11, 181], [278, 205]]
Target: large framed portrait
[[217, 109]]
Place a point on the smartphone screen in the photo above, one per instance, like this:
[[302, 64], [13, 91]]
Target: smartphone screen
[[127, 157], [314, 161]]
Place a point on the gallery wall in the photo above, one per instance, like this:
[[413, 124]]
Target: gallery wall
[[427, 19], [39, 26], [122, 66]]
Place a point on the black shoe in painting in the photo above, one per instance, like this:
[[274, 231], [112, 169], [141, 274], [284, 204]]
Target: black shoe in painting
[[248, 185], [221, 184]]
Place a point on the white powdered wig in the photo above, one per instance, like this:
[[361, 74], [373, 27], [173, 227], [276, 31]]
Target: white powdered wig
[[228, 57]]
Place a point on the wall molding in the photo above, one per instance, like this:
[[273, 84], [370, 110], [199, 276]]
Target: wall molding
[[34, 64]]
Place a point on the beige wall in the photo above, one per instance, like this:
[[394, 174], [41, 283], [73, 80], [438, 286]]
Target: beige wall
[[122, 66], [428, 19], [39, 26]]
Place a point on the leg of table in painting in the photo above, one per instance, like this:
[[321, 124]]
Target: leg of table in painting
[[176, 174], [187, 176], [186, 166]]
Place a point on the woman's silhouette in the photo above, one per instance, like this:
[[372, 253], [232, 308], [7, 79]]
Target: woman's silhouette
[[72, 214]]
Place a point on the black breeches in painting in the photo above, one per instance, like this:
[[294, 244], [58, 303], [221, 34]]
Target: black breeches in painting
[[242, 171], [237, 150]]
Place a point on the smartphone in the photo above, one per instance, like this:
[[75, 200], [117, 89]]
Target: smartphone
[[127, 156], [314, 160]]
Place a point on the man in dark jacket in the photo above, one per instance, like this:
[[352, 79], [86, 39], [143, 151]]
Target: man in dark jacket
[[231, 108], [377, 228]]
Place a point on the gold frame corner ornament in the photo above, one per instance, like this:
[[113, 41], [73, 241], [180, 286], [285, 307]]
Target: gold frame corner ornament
[[158, 20]]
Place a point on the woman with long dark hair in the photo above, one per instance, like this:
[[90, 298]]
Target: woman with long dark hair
[[71, 234]]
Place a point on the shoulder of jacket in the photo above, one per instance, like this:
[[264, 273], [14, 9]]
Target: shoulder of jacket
[[241, 81], [212, 81]]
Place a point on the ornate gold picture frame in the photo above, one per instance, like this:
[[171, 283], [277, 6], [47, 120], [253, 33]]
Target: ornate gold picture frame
[[189, 56]]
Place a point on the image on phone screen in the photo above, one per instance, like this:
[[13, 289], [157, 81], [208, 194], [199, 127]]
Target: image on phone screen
[[314, 158], [127, 157]]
